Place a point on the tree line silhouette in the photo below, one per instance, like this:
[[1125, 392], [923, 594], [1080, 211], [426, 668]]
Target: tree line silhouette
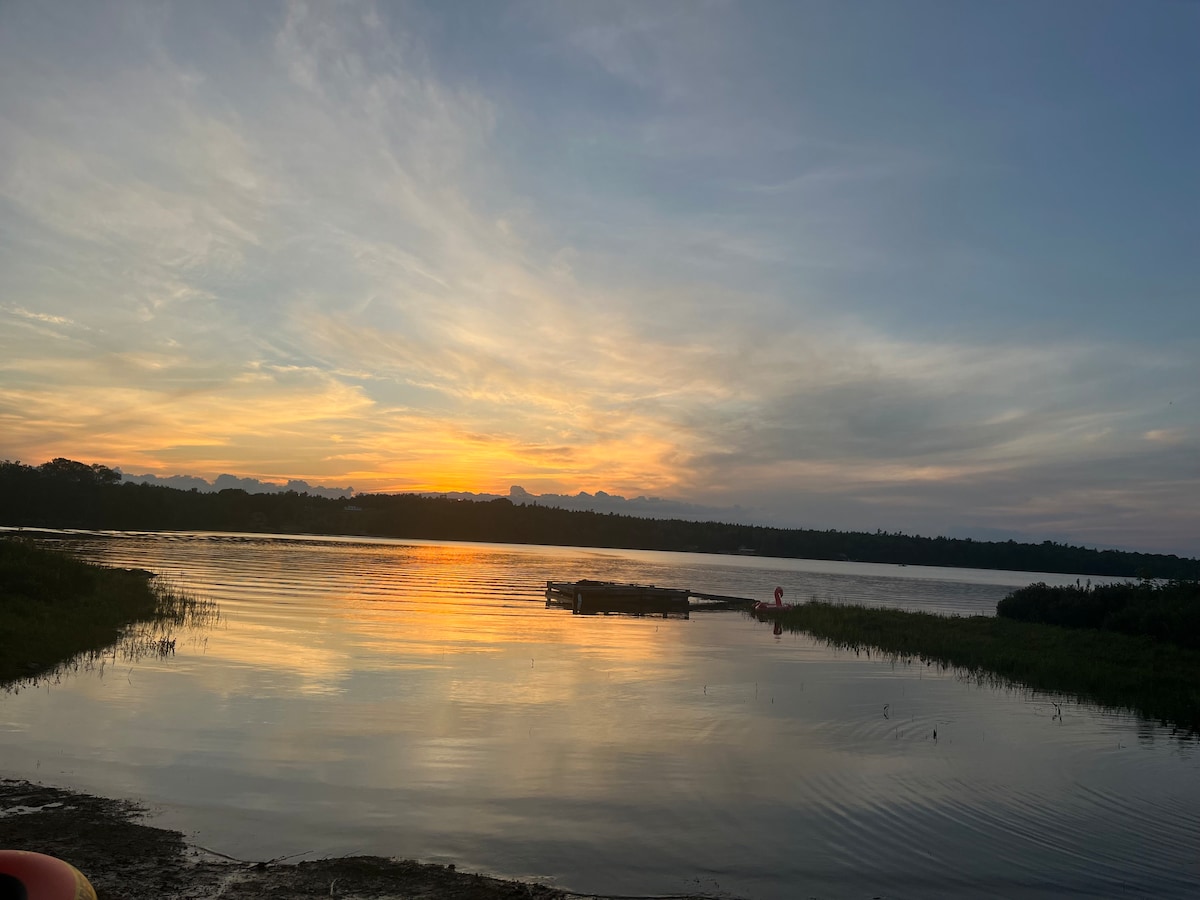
[[64, 493]]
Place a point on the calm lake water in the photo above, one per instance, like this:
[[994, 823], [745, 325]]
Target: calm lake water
[[417, 699]]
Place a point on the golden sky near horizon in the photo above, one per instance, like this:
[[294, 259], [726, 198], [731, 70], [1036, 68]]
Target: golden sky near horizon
[[650, 250]]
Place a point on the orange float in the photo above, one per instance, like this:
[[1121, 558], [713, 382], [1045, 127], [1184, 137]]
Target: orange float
[[25, 875]]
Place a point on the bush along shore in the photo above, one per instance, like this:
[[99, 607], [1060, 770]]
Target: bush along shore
[[1156, 679], [1167, 612]]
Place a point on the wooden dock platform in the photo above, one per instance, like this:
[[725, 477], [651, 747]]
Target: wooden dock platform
[[719, 601], [591, 597], [603, 597]]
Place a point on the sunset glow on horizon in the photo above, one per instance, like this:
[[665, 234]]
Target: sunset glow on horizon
[[917, 267]]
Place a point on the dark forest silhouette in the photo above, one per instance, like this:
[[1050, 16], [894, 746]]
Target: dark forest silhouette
[[67, 494]]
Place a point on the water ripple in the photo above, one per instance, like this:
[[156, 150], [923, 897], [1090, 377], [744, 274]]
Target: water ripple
[[417, 698]]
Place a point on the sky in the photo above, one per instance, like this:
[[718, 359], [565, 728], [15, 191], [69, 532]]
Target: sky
[[930, 267]]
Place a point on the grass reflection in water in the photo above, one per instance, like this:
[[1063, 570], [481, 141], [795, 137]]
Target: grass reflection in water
[[1158, 680]]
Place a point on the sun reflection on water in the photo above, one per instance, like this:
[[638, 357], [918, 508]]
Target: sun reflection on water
[[420, 700]]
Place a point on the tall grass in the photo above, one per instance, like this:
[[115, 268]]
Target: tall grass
[[58, 611], [1160, 681]]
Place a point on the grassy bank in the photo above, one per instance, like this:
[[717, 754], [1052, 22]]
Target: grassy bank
[[1157, 680], [54, 607]]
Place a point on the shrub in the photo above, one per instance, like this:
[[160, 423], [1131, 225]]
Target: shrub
[[1167, 611]]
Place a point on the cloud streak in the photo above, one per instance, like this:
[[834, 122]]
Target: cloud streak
[[619, 248]]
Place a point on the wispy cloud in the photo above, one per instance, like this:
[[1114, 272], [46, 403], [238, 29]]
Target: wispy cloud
[[629, 248]]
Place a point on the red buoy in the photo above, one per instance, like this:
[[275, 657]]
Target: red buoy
[[36, 876]]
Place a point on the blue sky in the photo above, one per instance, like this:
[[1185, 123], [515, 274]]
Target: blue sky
[[920, 266]]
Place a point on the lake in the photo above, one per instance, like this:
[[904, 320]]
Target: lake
[[417, 699]]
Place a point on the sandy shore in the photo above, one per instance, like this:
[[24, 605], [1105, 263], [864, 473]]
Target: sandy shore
[[127, 860]]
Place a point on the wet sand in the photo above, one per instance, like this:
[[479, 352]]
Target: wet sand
[[127, 860]]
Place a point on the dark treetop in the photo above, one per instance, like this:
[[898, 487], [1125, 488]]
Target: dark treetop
[[67, 494]]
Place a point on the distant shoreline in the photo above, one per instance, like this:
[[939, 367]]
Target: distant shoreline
[[66, 494]]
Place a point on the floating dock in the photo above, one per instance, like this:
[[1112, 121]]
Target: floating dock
[[586, 598]]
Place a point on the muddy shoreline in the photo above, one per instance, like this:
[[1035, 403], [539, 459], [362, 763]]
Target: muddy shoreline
[[128, 860]]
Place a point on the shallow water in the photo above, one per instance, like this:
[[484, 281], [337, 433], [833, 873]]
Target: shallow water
[[417, 699]]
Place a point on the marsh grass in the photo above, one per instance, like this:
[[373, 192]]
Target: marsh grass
[[59, 614], [177, 612], [1159, 681]]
